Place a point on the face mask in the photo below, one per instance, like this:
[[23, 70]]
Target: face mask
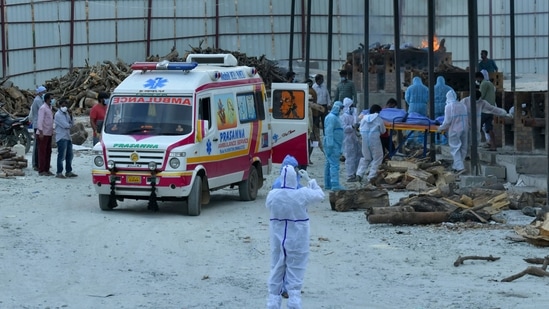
[[477, 82], [64, 109], [52, 102], [106, 102], [343, 79]]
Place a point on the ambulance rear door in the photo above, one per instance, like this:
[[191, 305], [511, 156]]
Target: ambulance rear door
[[289, 111]]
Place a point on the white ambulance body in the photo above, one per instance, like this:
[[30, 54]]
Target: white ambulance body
[[176, 131]]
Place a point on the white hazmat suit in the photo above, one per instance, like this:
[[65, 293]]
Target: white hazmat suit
[[289, 236], [483, 107], [456, 123], [351, 145], [371, 127]]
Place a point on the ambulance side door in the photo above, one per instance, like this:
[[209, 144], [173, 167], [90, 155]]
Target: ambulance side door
[[289, 111]]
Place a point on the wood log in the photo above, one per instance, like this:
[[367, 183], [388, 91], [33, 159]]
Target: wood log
[[400, 166], [425, 203], [393, 177], [388, 210], [464, 199], [358, 199], [412, 174], [417, 185], [544, 228], [533, 122], [409, 218]]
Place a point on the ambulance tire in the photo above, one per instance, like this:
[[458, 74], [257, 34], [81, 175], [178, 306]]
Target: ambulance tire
[[104, 202], [248, 188], [194, 201]]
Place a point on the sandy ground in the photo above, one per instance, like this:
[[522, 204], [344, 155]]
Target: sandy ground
[[59, 250]]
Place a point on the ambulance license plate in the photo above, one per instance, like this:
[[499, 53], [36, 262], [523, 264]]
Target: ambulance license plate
[[133, 179]]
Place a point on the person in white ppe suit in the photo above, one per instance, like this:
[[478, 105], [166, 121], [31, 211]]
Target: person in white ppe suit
[[289, 236], [483, 107], [351, 146], [371, 127], [456, 123]]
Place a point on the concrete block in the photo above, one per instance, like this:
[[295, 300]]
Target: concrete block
[[525, 164], [493, 170], [538, 181], [476, 181]]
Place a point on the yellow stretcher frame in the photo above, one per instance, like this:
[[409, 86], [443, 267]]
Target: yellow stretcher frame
[[394, 126]]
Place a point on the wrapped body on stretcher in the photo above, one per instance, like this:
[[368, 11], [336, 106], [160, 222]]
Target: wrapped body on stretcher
[[399, 120]]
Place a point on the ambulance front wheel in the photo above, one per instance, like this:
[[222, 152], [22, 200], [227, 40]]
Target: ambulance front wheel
[[248, 188], [104, 202], [194, 201]]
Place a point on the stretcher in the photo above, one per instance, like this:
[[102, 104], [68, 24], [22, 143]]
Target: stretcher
[[408, 129]]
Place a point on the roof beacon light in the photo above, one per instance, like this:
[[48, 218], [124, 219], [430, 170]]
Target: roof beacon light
[[251, 71], [164, 65]]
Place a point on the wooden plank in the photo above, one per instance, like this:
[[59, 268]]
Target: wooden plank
[[460, 205]]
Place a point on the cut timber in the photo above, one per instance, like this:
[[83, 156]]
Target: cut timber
[[424, 203], [445, 179], [435, 192], [393, 177], [388, 210], [412, 174], [358, 199], [544, 228], [436, 170], [418, 185], [402, 218], [466, 200], [460, 205], [400, 166]]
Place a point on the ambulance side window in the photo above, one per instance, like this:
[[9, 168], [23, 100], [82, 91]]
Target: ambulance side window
[[204, 111], [250, 107], [288, 104]]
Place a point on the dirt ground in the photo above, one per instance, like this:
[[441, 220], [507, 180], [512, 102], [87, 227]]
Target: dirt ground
[[59, 250]]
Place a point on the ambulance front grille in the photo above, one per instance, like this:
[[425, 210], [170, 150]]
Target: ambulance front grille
[[123, 157]]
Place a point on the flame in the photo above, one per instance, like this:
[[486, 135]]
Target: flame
[[425, 43]]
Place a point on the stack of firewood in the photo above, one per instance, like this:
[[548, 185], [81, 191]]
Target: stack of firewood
[[81, 85], [10, 164]]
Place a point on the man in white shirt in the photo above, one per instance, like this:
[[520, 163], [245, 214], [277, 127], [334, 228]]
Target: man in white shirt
[[322, 98]]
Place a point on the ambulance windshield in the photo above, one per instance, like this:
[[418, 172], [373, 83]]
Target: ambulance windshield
[[149, 115]]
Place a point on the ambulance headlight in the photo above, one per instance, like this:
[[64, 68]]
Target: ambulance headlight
[[111, 165], [152, 166], [175, 163], [98, 161]]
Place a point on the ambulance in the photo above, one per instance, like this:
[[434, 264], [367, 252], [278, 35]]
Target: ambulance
[[176, 131]]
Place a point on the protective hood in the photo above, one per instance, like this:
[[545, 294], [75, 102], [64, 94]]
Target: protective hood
[[451, 97], [485, 74], [417, 81], [371, 117], [336, 108], [289, 177], [440, 81], [289, 160], [347, 102]]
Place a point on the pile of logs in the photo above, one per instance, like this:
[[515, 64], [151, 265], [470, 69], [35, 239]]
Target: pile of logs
[[436, 206], [414, 175], [10, 164], [267, 69], [81, 85]]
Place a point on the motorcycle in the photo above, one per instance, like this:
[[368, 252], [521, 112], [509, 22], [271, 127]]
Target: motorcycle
[[14, 129]]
